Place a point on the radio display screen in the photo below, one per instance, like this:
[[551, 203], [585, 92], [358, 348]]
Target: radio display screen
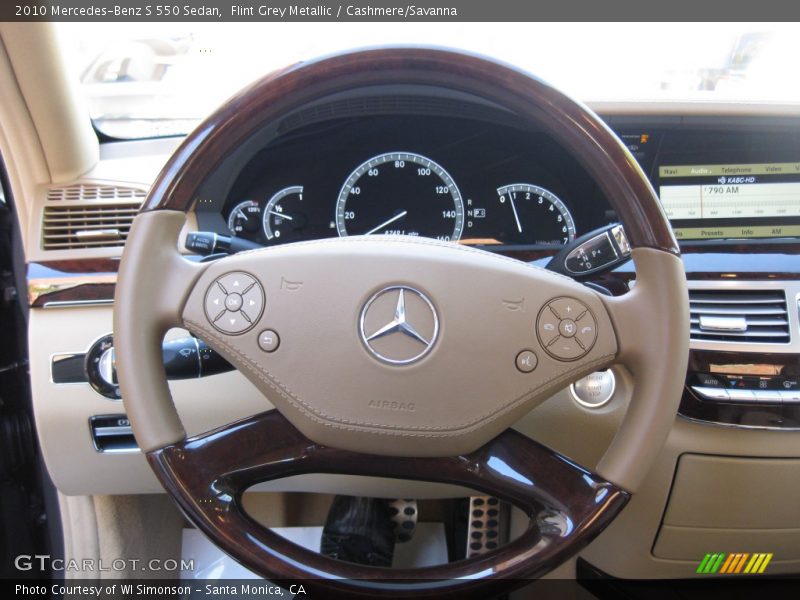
[[732, 201]]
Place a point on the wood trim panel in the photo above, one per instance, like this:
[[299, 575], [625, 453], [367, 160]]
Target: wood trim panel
[[73, 282]]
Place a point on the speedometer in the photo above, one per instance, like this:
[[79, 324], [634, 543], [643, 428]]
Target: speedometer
[[400, 193]]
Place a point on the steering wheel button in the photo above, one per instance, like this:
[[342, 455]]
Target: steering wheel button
[[586, 332], [526, 361], [567, 308], [567, 328], [236, 282], [214, 303], [566, 349], [233, 323], [253, 303], [547, 326], [233, 302], [268, 340]]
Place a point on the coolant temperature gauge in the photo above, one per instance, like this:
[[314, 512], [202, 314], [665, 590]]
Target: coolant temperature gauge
[[284, 215], [245, 218]]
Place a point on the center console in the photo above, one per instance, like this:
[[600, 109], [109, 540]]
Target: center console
[[732, 195], [731, 187], [744, 367]]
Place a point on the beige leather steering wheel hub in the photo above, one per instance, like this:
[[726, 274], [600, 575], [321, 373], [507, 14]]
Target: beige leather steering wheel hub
[[399, 357], [448, 391]]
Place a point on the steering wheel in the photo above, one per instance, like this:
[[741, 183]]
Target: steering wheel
[[400, 357]]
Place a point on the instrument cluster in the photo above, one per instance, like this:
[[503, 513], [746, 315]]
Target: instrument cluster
[[447, 178]]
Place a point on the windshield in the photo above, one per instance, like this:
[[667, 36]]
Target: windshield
[[156, 79]]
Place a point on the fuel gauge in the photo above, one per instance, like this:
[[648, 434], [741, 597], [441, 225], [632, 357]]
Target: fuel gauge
[[284, 215]]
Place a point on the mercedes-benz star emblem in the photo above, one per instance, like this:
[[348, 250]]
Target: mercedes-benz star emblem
[[399, 325]]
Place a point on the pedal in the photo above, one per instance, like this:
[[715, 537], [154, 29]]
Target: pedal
[[358, 530], [488, 524], [404, 514]]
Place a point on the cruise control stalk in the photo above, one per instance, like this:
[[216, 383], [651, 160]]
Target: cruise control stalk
[[205, 243]]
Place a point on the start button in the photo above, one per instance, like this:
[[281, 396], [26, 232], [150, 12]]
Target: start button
[[595, 390]]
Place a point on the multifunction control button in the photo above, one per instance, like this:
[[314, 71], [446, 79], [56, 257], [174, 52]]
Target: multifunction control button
[[566, 328], [526, 361], [234, 303], [268, 340]]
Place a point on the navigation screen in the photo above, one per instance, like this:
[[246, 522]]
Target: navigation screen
[[732, 201]]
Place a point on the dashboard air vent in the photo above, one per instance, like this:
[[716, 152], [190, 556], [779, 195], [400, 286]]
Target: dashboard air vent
[[94, 192], [89, 216], [752, 316]]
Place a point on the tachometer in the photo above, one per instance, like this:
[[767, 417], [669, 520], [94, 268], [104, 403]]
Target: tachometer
[[533, 215], [400, 193]]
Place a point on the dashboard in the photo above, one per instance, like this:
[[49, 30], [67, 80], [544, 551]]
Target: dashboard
[[481, 183], [429, 167]]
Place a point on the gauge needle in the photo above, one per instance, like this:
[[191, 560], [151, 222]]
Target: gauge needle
[[241, 212], [281, 215], [389, 222], [514, 208]]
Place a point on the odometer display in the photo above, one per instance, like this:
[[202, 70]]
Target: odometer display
[[400, 193]]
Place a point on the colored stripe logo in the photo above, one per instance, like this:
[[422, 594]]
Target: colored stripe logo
[[737, 563]]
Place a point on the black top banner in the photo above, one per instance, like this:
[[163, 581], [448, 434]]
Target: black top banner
[[398, 10]]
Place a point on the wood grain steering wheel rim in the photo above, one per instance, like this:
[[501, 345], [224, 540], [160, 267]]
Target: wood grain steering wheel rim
[[646, 330]]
